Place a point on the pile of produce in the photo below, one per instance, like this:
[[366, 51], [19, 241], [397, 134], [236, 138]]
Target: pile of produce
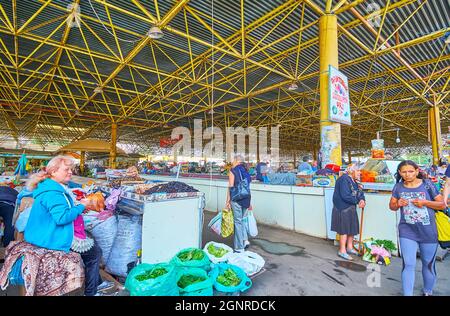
[[386, 244], [170, 187], [189, 279], [229, 278], [195, 254], [217, 251], [151, 274]]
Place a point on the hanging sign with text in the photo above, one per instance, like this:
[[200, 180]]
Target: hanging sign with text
[[339, 97]]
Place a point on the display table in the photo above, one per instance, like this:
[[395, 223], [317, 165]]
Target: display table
[[170, 222]]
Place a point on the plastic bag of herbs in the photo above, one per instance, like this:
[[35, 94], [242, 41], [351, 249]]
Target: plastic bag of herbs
[[194, 282], [217, 252], [191, 258], [229, 278], [152, 280]]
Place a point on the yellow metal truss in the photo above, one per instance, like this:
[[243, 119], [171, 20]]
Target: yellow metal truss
[[238, 68]]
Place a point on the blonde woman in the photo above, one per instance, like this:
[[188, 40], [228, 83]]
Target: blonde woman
[[51, 221]]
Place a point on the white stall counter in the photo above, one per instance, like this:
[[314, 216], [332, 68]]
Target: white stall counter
[[305, 210]]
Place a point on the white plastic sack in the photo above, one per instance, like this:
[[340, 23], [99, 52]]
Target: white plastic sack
[[104, 234], [126, 245], [213, 258], [22, 220], [248, 261], [252, 228], [216, 223]]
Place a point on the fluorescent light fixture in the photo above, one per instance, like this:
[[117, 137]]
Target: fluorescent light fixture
[[397, 140], [293, 86], [155, 32]]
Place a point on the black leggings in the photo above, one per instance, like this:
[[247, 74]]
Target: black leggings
[[7, 212], [91, 259]]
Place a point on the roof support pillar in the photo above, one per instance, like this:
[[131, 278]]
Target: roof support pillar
[[435, 130], [82, 159], [331, 149], [113, 151]]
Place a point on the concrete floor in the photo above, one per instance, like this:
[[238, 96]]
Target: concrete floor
[[312, 267], [315, 269]]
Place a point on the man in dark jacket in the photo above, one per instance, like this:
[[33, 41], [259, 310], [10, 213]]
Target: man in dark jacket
[[8, 198]]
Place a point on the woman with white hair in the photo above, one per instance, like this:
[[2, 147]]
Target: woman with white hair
[[238, 199], [344, 219], [53, 221]]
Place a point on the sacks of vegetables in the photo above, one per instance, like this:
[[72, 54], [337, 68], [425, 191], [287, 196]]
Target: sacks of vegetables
[[217, 252], [194, 282], [192, 258], [152, 280], [228, 278]]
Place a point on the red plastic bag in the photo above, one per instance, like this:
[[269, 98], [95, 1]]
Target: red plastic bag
[[333, 167]]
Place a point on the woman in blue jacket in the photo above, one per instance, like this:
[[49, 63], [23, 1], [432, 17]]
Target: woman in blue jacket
[[344, 219], [51, 221]]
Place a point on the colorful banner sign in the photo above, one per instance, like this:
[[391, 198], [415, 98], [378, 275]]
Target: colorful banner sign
[[339, 97]]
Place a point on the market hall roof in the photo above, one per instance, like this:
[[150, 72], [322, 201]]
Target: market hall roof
[[70, 68]]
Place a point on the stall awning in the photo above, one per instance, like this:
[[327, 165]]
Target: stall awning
[[90, 145]]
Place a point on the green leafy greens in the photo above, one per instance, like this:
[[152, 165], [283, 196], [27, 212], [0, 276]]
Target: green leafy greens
[[217, 251], [229, 278], [151, 274], [189, 279]]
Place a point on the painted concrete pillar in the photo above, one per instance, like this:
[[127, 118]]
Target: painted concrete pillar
[[82, 159], [435, 130], [113, 151], [330, 132]]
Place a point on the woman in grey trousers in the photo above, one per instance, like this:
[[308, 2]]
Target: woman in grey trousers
[[237, 174]]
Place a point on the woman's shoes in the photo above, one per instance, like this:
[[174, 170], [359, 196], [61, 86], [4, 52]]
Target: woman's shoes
[[106, 285], [345, 256], [246, 244], [352, 252]]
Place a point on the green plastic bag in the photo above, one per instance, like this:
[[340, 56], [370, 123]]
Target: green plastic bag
[[202, 288], [163, 285], [219, 269], [203, 263]]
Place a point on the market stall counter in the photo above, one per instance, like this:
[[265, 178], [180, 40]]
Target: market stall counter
[[305, 210], [162, 217], [170, 221]]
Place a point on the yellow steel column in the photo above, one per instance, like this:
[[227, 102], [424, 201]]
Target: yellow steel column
[[82, 162], [331, 151], [435, 129], [112, 154]]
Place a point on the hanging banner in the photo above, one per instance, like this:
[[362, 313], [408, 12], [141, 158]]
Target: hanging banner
[[331, 150], [339, 97]]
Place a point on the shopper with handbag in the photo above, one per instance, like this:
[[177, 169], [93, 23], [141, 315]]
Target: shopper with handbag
[[238, 199], [417, 198], [344, 218]]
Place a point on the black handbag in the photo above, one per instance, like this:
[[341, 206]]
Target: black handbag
[[241, 191]]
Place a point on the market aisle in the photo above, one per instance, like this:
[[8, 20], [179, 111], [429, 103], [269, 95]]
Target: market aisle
[[313, 268]]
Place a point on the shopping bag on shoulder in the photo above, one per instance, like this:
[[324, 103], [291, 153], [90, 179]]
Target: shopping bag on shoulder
[[443, 228], [227, 227], [216, 223]]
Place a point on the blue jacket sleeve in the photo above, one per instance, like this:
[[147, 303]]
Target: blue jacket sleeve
[[345, 192], [59, 209]]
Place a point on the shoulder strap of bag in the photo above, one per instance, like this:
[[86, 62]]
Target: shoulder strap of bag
[[427, 184]]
